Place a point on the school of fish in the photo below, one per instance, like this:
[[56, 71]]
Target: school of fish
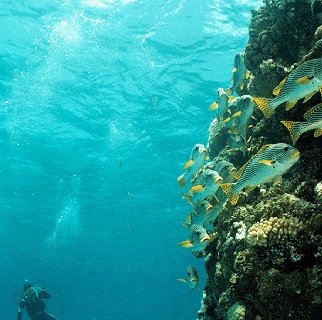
[[209, 184]]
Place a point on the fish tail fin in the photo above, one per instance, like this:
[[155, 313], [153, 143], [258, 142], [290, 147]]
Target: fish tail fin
[[317, 133], [181, 181], [188, 197], [293, 128], [229, 91], [264, 106], [214, 106], [227, 188]]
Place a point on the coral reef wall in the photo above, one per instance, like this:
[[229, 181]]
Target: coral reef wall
[[265, 262]]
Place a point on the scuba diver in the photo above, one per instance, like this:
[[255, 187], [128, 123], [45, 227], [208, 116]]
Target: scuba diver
[[31, 301]]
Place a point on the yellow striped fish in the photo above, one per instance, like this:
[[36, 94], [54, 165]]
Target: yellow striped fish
[[270, 162], [303, 82], [313, 121]]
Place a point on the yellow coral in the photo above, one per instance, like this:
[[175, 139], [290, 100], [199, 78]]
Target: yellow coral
[[265, 231]]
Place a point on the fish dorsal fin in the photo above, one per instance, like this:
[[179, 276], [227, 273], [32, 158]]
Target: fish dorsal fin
[[308, 97], [308, 114], [265, 146], [239, 173], [188, 164], [278, 89], [290, 105]]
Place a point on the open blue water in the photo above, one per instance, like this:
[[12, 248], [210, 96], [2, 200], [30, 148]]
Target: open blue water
[[101, 100]]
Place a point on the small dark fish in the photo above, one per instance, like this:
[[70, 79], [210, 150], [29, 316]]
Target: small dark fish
[[156, 215], [130, 226], [119, 162], [154, 102], [130, 195]]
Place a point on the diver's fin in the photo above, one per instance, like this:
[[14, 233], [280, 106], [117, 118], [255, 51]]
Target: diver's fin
[[227, 188], [186, 244], [290, 105], [278, 89], [264, 106], [181, 181], [293, 129]]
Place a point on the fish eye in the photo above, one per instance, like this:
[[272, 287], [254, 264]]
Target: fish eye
[[198, 233], [286, 148]]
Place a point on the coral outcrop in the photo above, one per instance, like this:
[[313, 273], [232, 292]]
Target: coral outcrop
[[265, 262], [281, 33]]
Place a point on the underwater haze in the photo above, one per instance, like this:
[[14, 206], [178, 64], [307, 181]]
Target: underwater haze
[[101, 103]]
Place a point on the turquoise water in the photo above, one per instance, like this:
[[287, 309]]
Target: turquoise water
[[101, 102]]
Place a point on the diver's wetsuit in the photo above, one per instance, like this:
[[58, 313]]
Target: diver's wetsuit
[[34, 305]]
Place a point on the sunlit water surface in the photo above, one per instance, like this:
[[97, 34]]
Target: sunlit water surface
[[101, 102]]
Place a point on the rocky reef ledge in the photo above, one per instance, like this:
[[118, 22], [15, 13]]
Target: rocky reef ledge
[[265, 262]]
